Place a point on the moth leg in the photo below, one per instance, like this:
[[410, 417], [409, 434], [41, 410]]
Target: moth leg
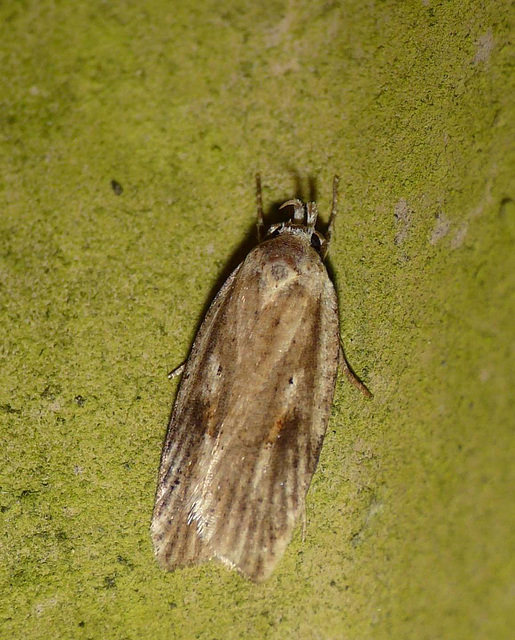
[[334, 209], [351, 376], [176, 372], [259, 205]]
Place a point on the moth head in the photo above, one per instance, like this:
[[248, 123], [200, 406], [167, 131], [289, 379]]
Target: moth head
[[303, 224]]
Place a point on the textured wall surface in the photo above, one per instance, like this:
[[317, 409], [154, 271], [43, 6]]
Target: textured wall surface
[[410, 517]]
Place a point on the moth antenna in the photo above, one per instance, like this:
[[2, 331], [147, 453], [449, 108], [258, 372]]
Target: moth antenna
[[298, 209], [312, 214], [259, 206], [334, 208]]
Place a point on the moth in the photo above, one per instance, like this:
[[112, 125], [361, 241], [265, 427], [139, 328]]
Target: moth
[[253, 404]]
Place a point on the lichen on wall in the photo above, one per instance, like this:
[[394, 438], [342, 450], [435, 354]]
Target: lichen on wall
[[409, 523]]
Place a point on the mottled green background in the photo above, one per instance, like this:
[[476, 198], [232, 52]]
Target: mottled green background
[[410, 518]]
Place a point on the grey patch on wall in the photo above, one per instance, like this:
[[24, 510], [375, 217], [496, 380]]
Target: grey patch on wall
[[441, 228], [402, 214], [484, 46]]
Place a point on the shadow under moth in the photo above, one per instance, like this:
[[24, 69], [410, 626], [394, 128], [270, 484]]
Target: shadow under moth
[[253, 404]]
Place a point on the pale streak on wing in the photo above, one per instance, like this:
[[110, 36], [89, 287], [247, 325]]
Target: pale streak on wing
[[252, 436]]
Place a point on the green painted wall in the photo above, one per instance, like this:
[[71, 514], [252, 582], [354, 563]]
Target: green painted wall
[[410, 519]]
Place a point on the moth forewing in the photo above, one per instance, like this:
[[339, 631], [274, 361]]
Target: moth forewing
[[252, 409]]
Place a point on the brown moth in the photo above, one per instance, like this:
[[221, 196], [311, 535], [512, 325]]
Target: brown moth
[[253, 405]]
